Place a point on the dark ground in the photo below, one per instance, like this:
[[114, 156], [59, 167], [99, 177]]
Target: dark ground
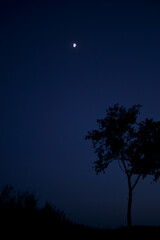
[[20, 218], [35, 230]]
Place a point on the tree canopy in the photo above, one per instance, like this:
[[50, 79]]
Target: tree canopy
[[134, 144], [121, 137]]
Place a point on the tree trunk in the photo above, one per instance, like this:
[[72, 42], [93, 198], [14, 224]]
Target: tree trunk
[[129, 216]]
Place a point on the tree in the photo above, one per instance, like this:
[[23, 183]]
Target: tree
[[7, 198], [53, 214], [134, 145]]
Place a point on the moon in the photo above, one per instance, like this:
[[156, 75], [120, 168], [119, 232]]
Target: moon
[[74, 45]]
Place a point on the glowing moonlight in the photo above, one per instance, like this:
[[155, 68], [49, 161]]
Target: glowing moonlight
[[74, 45]]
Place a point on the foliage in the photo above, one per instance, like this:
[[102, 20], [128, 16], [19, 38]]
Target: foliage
[[135, 145], [120, 137], [20, 211]]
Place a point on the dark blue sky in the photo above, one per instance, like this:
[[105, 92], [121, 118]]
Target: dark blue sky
[[51, 95]]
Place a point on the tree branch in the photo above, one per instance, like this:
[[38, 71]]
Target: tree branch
[[136, 181], [121, 166], [125, 168]]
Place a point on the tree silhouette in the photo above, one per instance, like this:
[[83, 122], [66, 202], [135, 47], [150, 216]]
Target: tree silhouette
[[19, 213], [134, 145]]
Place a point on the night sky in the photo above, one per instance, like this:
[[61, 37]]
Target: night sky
[[51, 95]]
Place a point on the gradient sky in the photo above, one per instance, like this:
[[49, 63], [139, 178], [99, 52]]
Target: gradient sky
[[52, 94]]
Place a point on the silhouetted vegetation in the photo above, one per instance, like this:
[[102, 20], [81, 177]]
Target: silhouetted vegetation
[[22, 219], [19, 212], [135, 146], [120, 137]]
